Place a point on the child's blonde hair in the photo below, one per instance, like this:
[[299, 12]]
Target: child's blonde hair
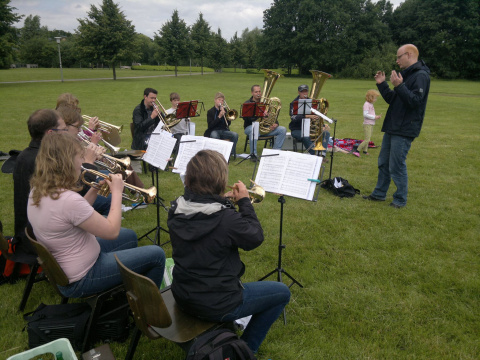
[[371, 95]]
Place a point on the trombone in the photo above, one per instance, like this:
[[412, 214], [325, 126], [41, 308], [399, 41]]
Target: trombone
[[145, 195], [170, 120], [231, 114], [109, 131], [108, 162]]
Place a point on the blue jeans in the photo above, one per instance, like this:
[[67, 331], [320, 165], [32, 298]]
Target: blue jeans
[[102, 204], [226, 134], [392, 166], [280, 132], [104, 275], [265, 301], [297, 134]]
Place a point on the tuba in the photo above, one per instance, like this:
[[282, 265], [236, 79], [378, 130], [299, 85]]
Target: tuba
[[273, 105], [316, 126]]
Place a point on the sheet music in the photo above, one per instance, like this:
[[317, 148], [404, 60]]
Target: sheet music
[[288, 173], [159, 150], [191, 128], [159, 127], [306, 127], [190, 145], [304, 106]]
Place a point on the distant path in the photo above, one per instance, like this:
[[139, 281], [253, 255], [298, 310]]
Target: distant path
[[121, 78]]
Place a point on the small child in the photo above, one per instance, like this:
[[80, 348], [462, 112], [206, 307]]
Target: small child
[[369, 118]]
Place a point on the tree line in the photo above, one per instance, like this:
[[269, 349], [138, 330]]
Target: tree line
[[348, 38]]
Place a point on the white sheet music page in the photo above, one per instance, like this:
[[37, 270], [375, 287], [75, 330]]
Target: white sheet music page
[[160, 148], [190, 145], [288, 173]]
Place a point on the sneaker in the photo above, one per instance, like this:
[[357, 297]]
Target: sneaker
[[365, 153], [253, 158], [139, 205], [356, 153], [395, 206], [370, 197]]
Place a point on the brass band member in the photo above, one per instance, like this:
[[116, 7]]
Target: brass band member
[[145, 118]]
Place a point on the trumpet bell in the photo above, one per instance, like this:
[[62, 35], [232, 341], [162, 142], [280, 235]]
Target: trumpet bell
[[256, 194]]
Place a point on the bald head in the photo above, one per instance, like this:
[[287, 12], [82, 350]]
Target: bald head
[[407, 55]]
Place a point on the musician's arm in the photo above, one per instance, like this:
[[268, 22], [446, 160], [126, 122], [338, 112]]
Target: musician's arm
[[142, 124], [246, 230]]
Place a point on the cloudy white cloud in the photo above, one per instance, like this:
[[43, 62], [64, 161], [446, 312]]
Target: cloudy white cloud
[[149, 16]]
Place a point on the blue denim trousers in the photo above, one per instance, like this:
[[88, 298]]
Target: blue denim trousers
[[280, 132], [297, 134], [226, 134], [102, 204], [392, 166], [265, 301], [104, 275]]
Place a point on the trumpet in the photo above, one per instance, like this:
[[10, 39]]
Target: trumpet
[[256, 194], [108, 162], [109, 131], [139, 194], [110, 147]]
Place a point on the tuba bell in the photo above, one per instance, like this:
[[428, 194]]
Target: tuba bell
[[273, 105], [316, 126]]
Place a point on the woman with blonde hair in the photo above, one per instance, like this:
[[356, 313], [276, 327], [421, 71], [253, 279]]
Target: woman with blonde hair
[[82, 241], [369, 118]]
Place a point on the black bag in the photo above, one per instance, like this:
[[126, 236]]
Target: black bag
[[344, 190], [220, 344], [51, 322]]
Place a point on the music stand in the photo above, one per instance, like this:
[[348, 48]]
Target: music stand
[[252, 109]]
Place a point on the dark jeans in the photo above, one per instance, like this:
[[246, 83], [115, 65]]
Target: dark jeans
[[297, 134], [265, 301], [226, 134], [392, 166]]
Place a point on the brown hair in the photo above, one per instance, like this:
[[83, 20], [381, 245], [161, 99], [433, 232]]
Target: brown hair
[[371, 95], [70, 115], [254, 86], [55, 167], [41, 121], [207, 173], [219, 95], [174, 96], [67, 99]]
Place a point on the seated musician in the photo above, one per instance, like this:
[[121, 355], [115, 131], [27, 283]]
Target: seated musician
[[218, 124], [145, 118], [39, 123], [182, 127], [82, 241], [275, 130], [297, 120], [206, 233]]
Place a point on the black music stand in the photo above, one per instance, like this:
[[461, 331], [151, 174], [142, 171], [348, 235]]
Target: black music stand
[[252, 109], [304, 107]]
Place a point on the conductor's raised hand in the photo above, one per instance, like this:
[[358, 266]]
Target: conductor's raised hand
[[396, 78], [380, 77]]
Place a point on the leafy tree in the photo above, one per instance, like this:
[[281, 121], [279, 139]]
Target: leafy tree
[[219, 55], [251, 40], [237, 51], [145, 49], [33, 29], [106, 35], [7, 33], [447, 34], [201, 39], [174, 40]]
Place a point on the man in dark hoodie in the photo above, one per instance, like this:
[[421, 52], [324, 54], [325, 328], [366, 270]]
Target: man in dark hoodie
[[403, 122], [206, 233], [145, 118]]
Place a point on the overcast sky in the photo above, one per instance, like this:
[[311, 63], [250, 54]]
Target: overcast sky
[[149, 16]]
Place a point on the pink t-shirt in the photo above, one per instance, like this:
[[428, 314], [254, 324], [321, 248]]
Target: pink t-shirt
[[55, 223], [368, 107]]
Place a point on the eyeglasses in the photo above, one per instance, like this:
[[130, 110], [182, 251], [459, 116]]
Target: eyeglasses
[[399, 56], [79, 127], [65, 129]]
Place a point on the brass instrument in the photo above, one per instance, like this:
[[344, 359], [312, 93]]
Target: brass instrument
[[273, 105], [316, 126], [113, 149], [110, 132], [140, 195], [108, 162], [170, 120], [256, 194], [230, 114]]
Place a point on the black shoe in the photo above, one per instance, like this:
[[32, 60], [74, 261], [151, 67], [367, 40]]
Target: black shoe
[[253, 158], [395, 206], [370, 197]]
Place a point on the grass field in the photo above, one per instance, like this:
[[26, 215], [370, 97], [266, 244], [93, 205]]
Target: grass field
[[379, 283]]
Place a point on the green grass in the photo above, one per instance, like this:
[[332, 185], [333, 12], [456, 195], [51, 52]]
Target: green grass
[[379, 283]]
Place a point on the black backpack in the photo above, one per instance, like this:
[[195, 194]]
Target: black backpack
[[345, 190], [220, 344]]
